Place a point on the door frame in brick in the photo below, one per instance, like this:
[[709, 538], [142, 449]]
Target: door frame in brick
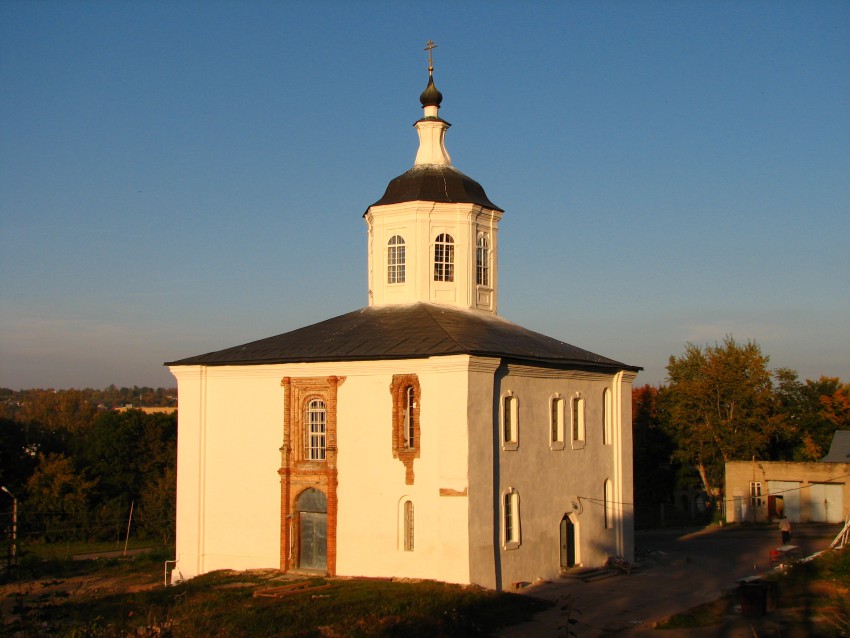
[[297, 472]]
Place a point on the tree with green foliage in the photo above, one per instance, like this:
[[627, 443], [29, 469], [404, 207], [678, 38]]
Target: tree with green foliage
[[128, 452], [719, 407], [814, 410], [57, 499]]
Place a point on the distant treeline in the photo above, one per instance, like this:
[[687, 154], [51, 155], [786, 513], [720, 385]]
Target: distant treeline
[[77, 466]]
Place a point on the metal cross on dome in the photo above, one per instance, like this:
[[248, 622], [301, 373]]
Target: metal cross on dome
[[429, 47]]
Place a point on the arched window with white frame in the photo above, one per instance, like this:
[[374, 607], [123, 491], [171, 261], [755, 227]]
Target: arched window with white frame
[[444, 258], [607, 418], [396, 260]]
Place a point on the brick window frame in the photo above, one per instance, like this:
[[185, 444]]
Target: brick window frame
[[399, 390], [297, 471]]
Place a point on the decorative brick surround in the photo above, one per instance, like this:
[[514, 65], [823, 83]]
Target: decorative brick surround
[[297, 472], [401, 451]]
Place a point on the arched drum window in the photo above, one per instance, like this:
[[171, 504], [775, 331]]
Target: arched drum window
[[444, 258], [395, 260]]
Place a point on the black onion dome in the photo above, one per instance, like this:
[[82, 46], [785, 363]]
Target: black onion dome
[[431, 96], [435, 183]]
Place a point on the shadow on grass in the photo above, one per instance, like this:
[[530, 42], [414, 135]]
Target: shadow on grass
[[223, 604]]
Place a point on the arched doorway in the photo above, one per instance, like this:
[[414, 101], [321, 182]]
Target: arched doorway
[[312, 508], [568, 542]]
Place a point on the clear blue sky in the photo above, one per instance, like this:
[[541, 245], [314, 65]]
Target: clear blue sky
[[180, 177]]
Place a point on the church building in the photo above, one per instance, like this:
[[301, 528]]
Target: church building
[[423, 436]]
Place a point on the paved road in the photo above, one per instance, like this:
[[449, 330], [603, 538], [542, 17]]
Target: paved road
[[676, 570]]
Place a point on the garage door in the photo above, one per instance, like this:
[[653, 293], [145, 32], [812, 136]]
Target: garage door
[[789, 492], [827, 502]]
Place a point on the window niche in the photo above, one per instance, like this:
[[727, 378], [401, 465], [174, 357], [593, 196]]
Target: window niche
[[556, 423], [406, 430], [607, 491], [408, 526], [510, 422], [607, 418], [577, 425]]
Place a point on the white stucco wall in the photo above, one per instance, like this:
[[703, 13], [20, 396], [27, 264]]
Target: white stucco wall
[[228, 490], [372, 483], [231, 429]]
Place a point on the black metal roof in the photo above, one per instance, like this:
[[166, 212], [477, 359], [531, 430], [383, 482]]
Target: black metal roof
[[435, 183], [408, 332]]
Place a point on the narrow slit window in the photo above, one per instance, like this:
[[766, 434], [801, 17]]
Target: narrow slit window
[[557, 421], [409, 418], [408, 526], [578, 419], [510, 515], [510, 421], [607, 425]]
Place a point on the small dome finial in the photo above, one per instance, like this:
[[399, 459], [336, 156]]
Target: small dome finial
[[430, 96]]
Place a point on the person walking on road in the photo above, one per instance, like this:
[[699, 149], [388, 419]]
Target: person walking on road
[[785, 529]]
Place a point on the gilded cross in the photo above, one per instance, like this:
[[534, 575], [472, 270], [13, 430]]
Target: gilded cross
[[429, 47]]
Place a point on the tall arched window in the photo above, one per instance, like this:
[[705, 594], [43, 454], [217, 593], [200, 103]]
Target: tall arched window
[[606, 495], [409, 418], [607, 429], [510, 422], [444, 258], [408, 526], [395, 260], [556, 437], [578, 420], [510, 518], [482, 261], [316, 419]]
